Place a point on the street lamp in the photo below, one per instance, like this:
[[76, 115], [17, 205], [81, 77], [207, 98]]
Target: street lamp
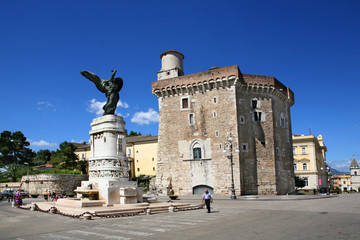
[[230, 144]]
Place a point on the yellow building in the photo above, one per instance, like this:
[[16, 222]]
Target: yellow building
[[142, 154], [141, 151], [310, 161], [342, 181]]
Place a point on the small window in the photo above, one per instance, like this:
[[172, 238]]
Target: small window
[[137, 160], [197, 153], [220, 146], [184, 103], [242, 119], [295, 166], [303, 150], [304, 166], [153, 168], [191, 119], [214, 114], [129, 152], [152, 159], [217, 133], [214, 100], [294, 151], [138, 169], [244, 147], [83, 156], [355, 173]]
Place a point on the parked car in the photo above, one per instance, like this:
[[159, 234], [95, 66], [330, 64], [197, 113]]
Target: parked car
[[23, 193], [7, 193], [1, 196]]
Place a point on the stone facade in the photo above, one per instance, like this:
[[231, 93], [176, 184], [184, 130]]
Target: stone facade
[[355, 175], [62, 183], [197, 115]]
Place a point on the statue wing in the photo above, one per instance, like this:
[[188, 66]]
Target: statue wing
[[119, 83], [99, 83]]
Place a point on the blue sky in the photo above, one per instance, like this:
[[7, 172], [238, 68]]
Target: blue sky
[[310, 46]]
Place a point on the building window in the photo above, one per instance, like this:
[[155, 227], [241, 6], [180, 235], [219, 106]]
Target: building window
[[217, 133], [185, 103], [242, 119], [255, 103], [138, 169], [197, 153], [152, 159], [220, 146], [214, 114], [244, 147], [214, 100], [153, 168], [258, 116], [283, 152], [82, 156], [304, 166], [282, 120], [355, 173], [294, 151], [303, 150], [295, 166], [191, 119], [277, 151], [129, 152], [306, 180]]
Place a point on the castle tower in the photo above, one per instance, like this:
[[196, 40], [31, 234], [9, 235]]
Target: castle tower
[[171, 65], [197, 115], [355, 174]]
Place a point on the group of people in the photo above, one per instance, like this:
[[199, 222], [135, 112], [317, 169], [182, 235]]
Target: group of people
[[53, 196]]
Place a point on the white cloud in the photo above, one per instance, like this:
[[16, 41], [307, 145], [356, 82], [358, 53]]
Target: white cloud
[[45, 106], [95, 106], [343, 166], [141, 118], [42, 143]]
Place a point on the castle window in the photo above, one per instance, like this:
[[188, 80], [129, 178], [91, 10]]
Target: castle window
[[277, 151], [282, 120], [255, 103], [258, 116], [214, 114], [244, 147], [214, 99], [304, 166], [185, 103], [242, 119], [216, 133], [220, 146], [191, 119], [197, 153]]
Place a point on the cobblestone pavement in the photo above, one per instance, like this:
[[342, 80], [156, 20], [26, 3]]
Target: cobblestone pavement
[[330, 218]]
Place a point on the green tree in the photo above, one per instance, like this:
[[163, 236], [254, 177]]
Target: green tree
[[299, 182], [133, 134], [64, 157], [14, 148], [42, 157]]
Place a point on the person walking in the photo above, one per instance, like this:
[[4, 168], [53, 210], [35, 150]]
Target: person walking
[[208, 199]]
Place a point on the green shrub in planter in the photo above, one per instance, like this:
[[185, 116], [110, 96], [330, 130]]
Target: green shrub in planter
[[173, 197], [34, 195]]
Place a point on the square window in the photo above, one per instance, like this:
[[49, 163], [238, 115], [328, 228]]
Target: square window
[[184, 103], [242, 119], [244, 147]]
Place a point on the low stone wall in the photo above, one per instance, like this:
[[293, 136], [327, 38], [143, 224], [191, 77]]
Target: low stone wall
[[62, 183]]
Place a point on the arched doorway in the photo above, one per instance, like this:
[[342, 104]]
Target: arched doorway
[[200, 189]]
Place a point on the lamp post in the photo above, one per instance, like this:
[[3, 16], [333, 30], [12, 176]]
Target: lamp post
[[230, 144]]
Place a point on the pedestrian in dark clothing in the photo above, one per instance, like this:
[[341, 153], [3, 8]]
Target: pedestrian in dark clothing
[[208, 199]]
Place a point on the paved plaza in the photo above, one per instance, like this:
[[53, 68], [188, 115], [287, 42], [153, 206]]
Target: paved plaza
[[277, 217]]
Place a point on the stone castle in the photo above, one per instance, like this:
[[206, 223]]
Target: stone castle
[[200, 111]]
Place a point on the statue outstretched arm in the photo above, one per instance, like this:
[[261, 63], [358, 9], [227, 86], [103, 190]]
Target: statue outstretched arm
[[95, 79]]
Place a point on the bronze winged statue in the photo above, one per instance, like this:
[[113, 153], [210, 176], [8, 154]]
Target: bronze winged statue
[[110, 87]]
